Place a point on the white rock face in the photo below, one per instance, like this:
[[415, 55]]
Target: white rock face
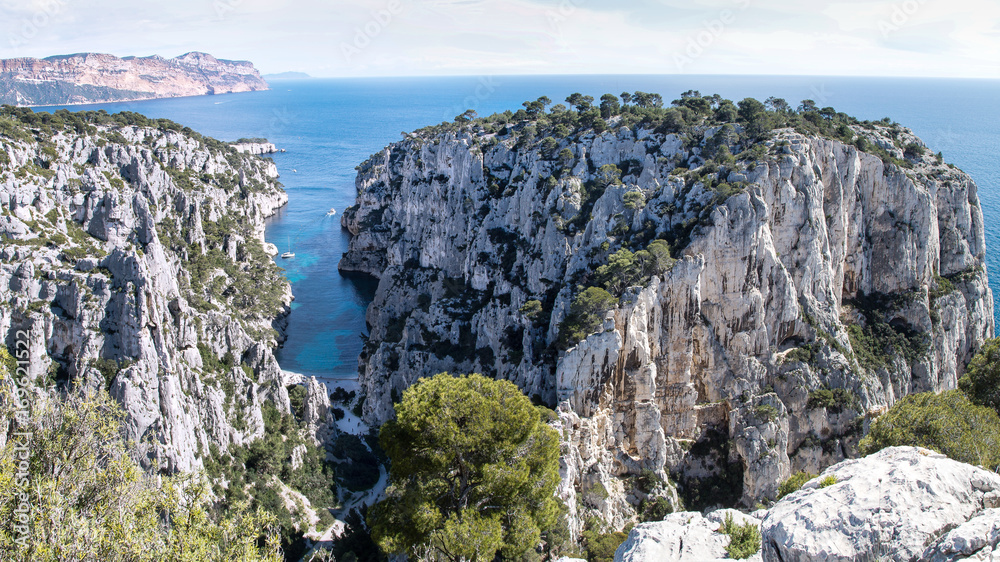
[[254, 147], [317, 416], [128, 210], [888, 506], [709, 371], [687, 536], [976, 539]]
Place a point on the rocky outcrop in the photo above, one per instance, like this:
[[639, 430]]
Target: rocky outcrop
[[888, 506], [132, 259], [814, 284], [687, 536], [94, 78], [976, 539], [317, 415], [254, 147]]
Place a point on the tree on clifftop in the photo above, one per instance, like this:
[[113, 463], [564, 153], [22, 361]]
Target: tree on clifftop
[[755, 118], [473, 471]]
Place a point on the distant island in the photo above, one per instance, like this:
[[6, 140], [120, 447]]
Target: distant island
[[96, 78], [287, 76]]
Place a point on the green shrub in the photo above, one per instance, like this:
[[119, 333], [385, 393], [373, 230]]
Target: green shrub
[[634, 200], [828, 481], [794, 483], [744, 540], [625, 268], [531, 309], [608, 174], [981, 382], [109, 369], [297, 399], [211, 363], [835, 400], [654, 509], [601, 547], [585, 315], [948, 423], [765, 412], [802, 353]]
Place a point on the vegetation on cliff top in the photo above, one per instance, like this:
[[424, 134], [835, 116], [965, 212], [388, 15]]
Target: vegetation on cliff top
[[692, 116], [962, 424], [21, 123]]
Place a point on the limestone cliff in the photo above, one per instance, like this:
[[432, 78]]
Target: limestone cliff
[[816, 281], [133, 258], [95, 77]]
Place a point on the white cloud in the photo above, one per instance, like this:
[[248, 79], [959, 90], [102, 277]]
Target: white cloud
[[405, 37]]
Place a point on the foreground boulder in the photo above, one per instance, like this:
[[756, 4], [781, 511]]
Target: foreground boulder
[[979, 539], [902, 503], [685, 536]]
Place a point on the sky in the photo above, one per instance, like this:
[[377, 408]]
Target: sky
[[332, 38]]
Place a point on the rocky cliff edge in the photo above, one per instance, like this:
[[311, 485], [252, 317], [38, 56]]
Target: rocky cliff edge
[[814, 278], [133, 258]]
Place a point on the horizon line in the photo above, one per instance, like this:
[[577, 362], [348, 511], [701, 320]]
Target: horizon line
[[632, 74]]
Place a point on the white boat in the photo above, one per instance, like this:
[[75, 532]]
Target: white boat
[[331, 212], [289, 253]]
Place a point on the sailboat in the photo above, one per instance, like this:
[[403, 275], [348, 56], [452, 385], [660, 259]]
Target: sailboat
[[289, 253]]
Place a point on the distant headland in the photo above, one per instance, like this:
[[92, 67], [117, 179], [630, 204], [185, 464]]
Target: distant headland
[[96, 78], [287, 76]]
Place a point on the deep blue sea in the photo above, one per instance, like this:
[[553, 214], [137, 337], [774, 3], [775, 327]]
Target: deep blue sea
[[330, 126]]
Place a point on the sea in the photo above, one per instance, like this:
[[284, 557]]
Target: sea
[[326, 127]]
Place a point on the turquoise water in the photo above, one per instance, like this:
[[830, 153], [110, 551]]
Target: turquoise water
[[330, 126]]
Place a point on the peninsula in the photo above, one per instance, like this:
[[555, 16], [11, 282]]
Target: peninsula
[[97, 78]]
